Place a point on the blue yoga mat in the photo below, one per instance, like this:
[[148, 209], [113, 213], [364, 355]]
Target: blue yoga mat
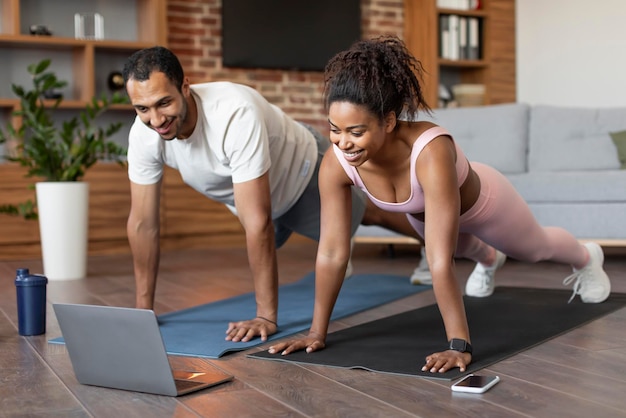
[[200, 331]]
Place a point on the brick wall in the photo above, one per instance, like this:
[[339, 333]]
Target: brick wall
[[195, 36]]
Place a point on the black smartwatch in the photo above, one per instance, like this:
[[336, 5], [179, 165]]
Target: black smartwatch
[[458, 344]]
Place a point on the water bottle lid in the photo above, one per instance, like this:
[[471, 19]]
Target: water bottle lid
[[25, 279]]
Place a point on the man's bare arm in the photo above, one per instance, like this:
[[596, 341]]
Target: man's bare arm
[[254, 208], [143, 235]]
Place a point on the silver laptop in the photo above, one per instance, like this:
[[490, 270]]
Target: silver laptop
[[122, 348]]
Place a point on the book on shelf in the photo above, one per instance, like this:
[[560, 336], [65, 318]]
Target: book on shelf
[[459, 4], [453, 24], [473, 38], [459, 37], [463, 35], [444, 37]]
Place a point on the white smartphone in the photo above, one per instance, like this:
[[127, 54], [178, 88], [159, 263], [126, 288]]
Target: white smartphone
[[474, 383]]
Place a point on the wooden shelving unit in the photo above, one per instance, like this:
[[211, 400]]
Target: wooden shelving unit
[[129, 25], [84, 63], [495, 67]]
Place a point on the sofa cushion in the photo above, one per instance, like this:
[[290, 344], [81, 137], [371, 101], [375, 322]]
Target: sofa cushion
[[568, 138], [584, 219], [619, 139], [496, 135], [571, 186]]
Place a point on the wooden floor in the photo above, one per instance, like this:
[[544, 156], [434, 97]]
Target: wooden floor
[[579, 374]]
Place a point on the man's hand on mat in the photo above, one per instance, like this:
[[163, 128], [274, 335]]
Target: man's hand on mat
[[310, 343], [246, 330], [445, 360]]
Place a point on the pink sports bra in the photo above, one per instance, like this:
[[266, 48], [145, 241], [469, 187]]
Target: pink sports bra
[[415, 202]]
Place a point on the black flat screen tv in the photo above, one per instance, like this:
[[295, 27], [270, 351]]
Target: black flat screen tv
[[287, 34]]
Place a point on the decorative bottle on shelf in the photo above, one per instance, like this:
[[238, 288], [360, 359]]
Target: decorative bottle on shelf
[[31, 302]]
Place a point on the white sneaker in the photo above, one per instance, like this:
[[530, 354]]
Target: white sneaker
[[480, 283], [591, 282], [421, 274]]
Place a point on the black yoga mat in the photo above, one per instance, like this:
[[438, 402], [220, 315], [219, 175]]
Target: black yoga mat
[[509, 321]]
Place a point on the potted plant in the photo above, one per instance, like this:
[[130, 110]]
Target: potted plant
[[57, 155]]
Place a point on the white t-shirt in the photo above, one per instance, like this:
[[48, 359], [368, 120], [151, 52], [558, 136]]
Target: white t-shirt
[[238, 137]]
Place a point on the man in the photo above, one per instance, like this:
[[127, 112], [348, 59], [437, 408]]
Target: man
[[234, 147]]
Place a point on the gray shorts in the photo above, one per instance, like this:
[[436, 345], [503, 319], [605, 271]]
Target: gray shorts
[[304, 215]]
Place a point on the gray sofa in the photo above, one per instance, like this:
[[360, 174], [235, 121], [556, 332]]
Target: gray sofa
[[562, 160]]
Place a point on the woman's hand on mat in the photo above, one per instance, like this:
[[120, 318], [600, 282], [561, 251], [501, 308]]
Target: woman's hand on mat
[[246, 330], [445, 360], [310, 343]]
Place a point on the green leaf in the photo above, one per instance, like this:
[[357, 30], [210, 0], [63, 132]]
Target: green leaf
[[39, 67], [18, 90]]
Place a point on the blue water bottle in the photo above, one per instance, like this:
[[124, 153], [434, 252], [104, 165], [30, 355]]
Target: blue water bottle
[[31, 302]]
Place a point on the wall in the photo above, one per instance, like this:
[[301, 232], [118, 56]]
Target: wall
[[194, 35], [571, 52]]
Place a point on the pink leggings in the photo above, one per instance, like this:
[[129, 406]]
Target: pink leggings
[[500, 218]]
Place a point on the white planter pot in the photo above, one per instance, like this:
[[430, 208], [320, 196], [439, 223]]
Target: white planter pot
[[63, 224]]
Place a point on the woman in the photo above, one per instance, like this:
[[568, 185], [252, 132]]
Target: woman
[[460, 209]]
